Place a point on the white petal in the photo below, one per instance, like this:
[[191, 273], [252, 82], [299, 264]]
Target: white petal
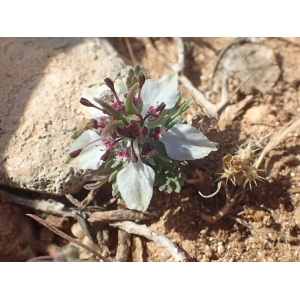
[[184, 142], [89, 158], [156, 91], [94, 92], [135, 183]]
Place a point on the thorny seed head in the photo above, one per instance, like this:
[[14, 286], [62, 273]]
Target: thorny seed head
[[247, 153], [251, 174], [239, 167]]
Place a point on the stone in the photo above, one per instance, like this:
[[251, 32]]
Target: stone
[[253, 62], [41, 83]]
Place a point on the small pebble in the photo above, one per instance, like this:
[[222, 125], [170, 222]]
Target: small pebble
[[221, 249]]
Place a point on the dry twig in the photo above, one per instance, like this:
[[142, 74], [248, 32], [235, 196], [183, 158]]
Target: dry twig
[[178, 68], [130, 51], [180, 54], [277, 138], [146, 232], [137, 249], [244, 223], [229, 202], [86, 201], [119, 215], [49, 206], [213, 194], [124, 244], [67, 237]]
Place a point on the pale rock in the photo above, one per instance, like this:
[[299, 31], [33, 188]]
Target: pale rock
[[41, 83], [252, 62]]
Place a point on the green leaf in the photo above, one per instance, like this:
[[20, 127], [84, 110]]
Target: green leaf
[[162, 187], [113, 175], [177, 187], [115, 189], [77, 134], [161, 152], [173, 122], [117, 163], [150, 160], [111, 126], [130, 107], [169, 189], [108, 164]]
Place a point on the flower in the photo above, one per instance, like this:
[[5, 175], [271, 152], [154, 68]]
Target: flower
[[90, 149], [137, 131], [184, 142]]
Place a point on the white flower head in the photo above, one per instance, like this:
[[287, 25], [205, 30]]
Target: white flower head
[[137, 133]]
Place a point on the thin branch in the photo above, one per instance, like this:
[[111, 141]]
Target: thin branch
[[244, 223], [180, 54], [86, 201], [226, 208], [119, 215], [65, 236], [199, 96], [151, 235], [49, 206], [73, 200], [277, 138], [137, 249], [130, 51], [124, 244]]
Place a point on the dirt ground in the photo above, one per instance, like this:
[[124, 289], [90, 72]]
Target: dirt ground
[[263, 223]]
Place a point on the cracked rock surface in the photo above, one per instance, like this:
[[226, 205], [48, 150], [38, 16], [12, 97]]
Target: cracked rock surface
[[41, 83]]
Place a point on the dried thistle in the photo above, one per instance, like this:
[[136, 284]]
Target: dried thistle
[[239, 167]]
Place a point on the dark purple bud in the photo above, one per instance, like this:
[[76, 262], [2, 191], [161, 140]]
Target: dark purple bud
[[109, 83], [155, 133], [144, 131], [113, 134], [142, 80], [161, 107], [147, 149], [75, 153], [123, 130], [132, 129], [104, 157], [86, 102], [94, 123]]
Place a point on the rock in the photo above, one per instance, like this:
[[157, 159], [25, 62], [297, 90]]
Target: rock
[[41, 83], [240, 60], [257, 114]]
